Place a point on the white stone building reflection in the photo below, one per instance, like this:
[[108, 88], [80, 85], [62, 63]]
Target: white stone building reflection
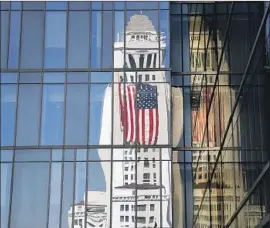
[[140, 190]]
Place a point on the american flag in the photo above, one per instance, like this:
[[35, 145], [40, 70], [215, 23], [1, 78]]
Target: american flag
[[140, 101]]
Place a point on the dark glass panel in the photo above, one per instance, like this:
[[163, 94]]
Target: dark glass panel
[[6, 170], [4, 37], [14, 43], [28, 115], [52, 115], [96, 39], [8, 112], [79, 5], [30, 78], [55, 40], [79, 77], [30, 195], [32, 39], [78, 41], [33, 5], [32, 155], [107, 40], [5, 5], [107, 5], [76, 115]]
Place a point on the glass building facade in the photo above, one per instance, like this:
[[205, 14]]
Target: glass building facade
[[135, 114]]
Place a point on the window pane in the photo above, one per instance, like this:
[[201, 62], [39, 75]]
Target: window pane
[[76, 114], [8, 111], [52, 115], [55, 195], [32, 39], [100, 114], [14, 43], [56, 5], [32, 155], [4, 37], [6, 170], [30, 204], [81, 77], [79, 5], [30, 78], [96, 39], [118, 37], [165, 39], [101, 77], [16, 5], [53, 78], [33, 5], [55, 40], [67, 194], [78, 41], [107, 39], [8, 77], [28, 115], [96, 5]]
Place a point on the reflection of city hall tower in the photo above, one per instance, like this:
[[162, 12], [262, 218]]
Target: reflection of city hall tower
[[140, 190], [227, 186]]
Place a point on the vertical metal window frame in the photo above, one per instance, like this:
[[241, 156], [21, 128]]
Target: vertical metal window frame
[[64, 123]]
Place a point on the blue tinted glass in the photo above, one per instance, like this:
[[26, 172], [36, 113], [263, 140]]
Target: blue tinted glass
[[79, 5], [141, 5], [16, 5], [176, 43], [33, 5], [4, 5], [55, 195], [107, 5], [6, 155], [80, 181], [52, 115], [96, 39], [8, 77], [28, 203], [56, 5], [96, 5], [81, 154], [30, 78], [78, 41], [67, 191], [32, 39], [101, 77], [6, 171], [55, 40], [8, 111], [97, 93], [107, 39], [28, 115], [81, 77], [32, 155], [119, 24], [54, 78], [14, 43], [56, 155], [119, 5], [165, 38], [76, 114], [4, 37], [164, 5]]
